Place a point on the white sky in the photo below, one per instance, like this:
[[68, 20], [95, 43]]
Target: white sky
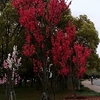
[[92, 9]]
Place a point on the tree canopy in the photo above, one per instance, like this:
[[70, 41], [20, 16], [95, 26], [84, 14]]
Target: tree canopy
[[86, 32]]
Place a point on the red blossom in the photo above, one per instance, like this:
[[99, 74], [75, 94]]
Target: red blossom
[[62, 49], [64, 71], [39, 39], [28, 38], [80, 58], [28, 50], [37, 66], [55, 9], [82, 70]]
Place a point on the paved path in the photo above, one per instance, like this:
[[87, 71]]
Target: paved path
[[95, 87], [96, 82]]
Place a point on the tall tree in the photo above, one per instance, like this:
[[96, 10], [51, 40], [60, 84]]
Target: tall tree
[[46, 42], [8, 27], [10, 31]]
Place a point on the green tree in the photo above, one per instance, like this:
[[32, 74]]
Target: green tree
[[9, 27], [86, 32], [93, 64]]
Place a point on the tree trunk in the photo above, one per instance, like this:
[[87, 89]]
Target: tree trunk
[[45, 95], [10, 93], [73, 83]]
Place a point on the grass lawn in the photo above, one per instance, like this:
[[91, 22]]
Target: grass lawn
[[28, 93], [87, 92]]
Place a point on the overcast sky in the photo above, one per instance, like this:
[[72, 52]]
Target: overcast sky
[[92, 9]]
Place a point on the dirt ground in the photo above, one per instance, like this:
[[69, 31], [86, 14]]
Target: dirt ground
[[83, 98]]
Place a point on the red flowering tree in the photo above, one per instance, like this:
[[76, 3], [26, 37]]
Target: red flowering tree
[[79, 59], [61, 48], [45, 41]]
